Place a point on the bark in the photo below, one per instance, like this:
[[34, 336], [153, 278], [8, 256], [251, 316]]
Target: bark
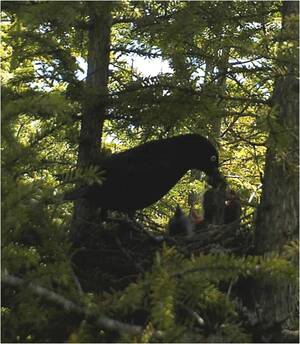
[[85, 215], [278, 217]]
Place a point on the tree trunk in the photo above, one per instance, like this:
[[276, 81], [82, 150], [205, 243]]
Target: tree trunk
[[85, 215], [278, 217]]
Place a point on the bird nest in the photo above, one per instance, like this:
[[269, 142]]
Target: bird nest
[[230, 238], [125, 248]]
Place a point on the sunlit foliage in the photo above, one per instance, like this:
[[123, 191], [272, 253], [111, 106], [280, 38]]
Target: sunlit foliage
[[223, 61]]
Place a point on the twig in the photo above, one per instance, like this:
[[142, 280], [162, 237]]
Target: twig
[[136, 227], [199, 269], [102, 321], [233, 281], [290, 336], [128, 256], [77, 283], [194, 315]]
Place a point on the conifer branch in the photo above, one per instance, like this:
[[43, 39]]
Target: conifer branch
[[70, 306]]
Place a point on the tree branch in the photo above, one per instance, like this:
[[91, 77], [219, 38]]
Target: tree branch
[[141, 52], [69, 306]]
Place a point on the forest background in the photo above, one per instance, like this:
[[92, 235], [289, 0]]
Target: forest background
[[232, 77]]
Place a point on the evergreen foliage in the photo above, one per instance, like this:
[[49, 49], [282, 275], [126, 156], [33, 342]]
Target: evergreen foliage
[[135, 284]]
